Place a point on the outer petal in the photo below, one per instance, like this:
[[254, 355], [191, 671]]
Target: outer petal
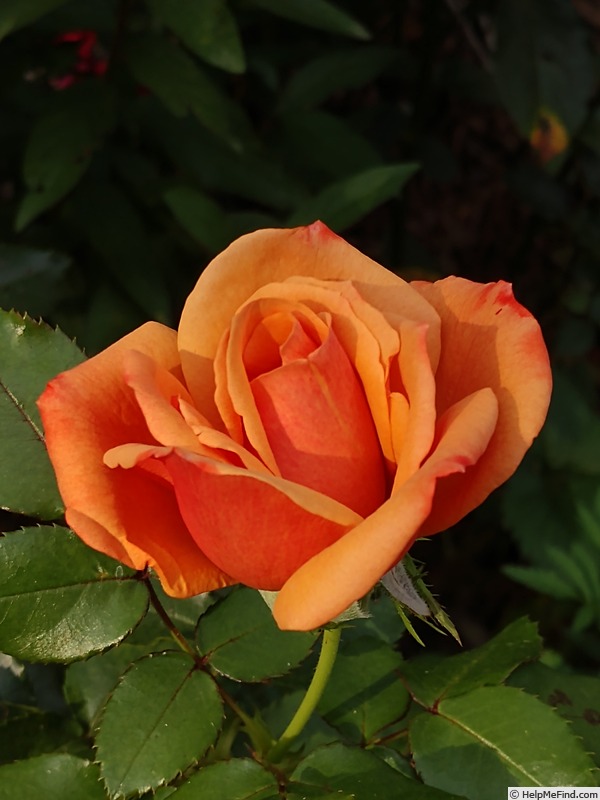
[[269, 256], [257, 528], [488, 339], [332, 580], [132, 516]]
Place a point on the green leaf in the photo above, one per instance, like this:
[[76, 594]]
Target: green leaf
[[543, 62], [184, 612], [88, 683], [318, 14], [115, 229], [493, 737], [60, 148], [30, 279], [430, 679], [532, 503], [238, 779], [51, 777], [60, 600], [542, 580], [201, 217], [572, 435], [161, 794], [335, 72], [575, 697], [30, 355], [162, 717], [15, 14], [208, 28], [27, 732], [197, 153], [364, 693], [183, 87], [344, 202], [324, 144], [358, 773], [240, 639]]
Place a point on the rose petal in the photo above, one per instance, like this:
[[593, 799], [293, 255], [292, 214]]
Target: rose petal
[[261, 527], [237, 356], [218, 444], [488, 340], [271, 256], [413, 414], [158, 393], [367, 338], [344, 572], [320, 429], [128, 514]]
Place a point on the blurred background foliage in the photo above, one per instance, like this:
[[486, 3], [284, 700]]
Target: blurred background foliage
[[139, 137]]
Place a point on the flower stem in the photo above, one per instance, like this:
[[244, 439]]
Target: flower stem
[[329, 648], [172, 628]]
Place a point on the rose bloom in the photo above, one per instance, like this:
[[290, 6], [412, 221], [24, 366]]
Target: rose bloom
[[313, 415]]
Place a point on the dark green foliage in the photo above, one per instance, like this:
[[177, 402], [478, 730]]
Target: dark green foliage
[[239, 638], [52, 587]]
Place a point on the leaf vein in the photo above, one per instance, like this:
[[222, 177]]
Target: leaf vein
[[27, 417], [487, 743]]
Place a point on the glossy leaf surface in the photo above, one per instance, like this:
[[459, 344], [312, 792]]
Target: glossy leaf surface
[[60, 600], [30, 354], [161, 718], [241, 640]]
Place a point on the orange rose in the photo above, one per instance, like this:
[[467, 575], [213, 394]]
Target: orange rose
[[312, 416]]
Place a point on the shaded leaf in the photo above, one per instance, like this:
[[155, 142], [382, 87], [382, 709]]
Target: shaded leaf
[[541, 580], [60, 600], [571, 437], [201, 217], [209, 29], [431, 678], [493, 737], [15, 14], [240, 639], [30, 355], [319, 14], [575, 697], [253, 175], [364, 693], [357, 774], [116, 231], [162, 717], [27, 732], [238, 779], [334, 72], [543, 63], [344, 202], [31, 279], [60, 148], [324, 144], [88, 683], [183, 87], [184, 612], [51, 777]]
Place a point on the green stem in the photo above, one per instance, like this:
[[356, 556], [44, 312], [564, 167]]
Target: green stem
[[329, 648]]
